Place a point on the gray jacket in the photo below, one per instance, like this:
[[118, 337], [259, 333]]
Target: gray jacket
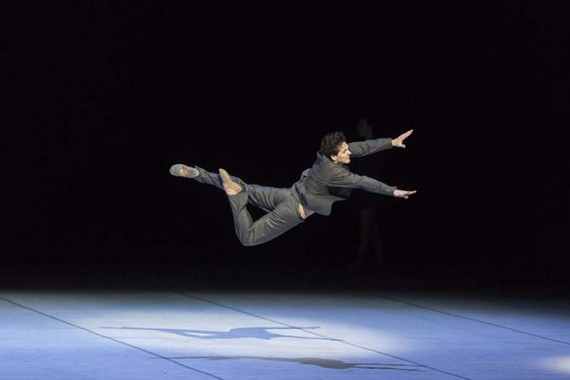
[[327, 182]]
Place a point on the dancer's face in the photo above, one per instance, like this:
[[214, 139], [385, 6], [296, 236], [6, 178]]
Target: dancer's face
[[343, 156]]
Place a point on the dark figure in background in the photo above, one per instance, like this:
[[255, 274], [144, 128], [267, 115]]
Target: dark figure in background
[[369, 208], [326, 182]]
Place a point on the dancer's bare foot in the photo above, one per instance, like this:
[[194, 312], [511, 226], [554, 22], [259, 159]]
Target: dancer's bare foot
[[180, 170], [231, 187]]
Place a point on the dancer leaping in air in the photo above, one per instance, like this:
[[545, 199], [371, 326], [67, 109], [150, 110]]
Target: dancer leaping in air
[[327, 181]]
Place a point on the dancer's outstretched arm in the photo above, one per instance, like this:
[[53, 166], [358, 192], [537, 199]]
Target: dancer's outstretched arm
[[366, 147]]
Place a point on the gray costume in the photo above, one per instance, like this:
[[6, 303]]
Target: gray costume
[[318, 188]]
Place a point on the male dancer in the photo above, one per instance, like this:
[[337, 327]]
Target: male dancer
[[327, 181]]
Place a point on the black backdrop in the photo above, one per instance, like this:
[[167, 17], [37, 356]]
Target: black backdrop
[[100, 98]]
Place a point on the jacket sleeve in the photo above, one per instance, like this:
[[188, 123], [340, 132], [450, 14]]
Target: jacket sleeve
[[345, 178], [366, 147]]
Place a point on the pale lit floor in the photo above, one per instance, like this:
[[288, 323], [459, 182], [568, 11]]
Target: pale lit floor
[[175, 332]]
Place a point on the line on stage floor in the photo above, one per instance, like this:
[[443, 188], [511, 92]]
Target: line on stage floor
[[107, 337], [470, 319]]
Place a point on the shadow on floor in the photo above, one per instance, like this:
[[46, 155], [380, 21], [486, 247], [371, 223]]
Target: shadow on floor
[[319, 362], [236, 333]]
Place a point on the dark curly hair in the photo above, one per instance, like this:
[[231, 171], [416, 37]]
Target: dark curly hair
[[331, 142]]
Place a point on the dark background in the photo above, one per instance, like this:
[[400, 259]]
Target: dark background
[[100, 98]]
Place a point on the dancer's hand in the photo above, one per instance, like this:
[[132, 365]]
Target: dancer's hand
[[399, 141], [404, 193]]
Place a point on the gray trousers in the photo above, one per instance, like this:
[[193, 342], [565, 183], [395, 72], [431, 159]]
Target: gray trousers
[[281, 206]]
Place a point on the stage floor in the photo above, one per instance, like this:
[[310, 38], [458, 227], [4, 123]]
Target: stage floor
[[125, 329]]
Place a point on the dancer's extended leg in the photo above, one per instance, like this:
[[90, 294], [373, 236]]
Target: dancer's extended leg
[[264, 197], [201, 175], [281, 219], [282, 209]]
